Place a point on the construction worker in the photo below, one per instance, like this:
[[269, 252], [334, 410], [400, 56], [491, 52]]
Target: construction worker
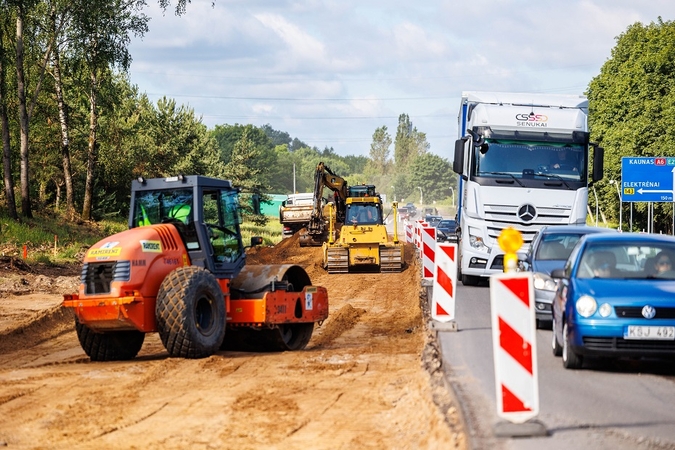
[[180, 212]]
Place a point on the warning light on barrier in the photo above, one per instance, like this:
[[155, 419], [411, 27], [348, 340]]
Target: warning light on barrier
[[510, 240]]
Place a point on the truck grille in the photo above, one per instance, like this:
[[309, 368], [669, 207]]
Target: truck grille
[[97, 277], [499, 217]]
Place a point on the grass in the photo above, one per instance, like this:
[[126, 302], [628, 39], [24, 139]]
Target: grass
[[51, 239]]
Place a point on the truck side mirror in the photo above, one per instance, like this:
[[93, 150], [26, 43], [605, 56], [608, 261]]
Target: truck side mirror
[[256, 240], [458, 162]]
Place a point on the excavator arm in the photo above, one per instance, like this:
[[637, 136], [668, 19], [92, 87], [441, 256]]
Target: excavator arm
[[317, 231]]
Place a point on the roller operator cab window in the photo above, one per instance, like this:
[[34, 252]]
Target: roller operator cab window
[[222, 219], [167, 206], [534, 160]]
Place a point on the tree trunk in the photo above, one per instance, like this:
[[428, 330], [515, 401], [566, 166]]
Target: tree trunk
[[23, 117], [6, 149], [92, 150], [65, 140]]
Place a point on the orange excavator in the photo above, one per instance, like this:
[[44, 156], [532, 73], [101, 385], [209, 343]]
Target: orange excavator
[[180, 270]]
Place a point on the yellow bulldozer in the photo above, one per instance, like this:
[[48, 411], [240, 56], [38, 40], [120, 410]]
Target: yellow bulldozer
[[350, 227], [362, 241]]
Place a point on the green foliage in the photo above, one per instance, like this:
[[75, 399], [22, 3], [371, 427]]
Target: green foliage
[[379, 151], [632, 110], [271, 233], [433, 175], [49, 238]]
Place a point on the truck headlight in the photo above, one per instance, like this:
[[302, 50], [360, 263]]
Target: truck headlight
[[543, 282], [476, 241], [586, 306]]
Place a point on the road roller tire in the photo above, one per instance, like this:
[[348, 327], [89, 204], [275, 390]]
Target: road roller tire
[[190, 313], [109, 345], [285, 337]]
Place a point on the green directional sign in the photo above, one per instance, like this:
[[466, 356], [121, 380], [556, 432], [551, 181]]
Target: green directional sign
[[647, 179]]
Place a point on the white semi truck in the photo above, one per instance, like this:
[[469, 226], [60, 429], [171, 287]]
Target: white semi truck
[[522, 161]]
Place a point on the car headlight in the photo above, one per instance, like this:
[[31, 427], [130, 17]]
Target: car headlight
[[605, 310], [543, 282], [586, 306]]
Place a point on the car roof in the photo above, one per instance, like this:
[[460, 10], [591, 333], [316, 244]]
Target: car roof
[[582, 229], [630, 237]]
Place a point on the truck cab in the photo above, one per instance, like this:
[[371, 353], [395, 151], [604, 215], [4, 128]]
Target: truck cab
[[522, 161]]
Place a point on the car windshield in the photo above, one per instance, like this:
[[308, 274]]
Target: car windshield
[[447, 224], [556, 246], [628, 260]]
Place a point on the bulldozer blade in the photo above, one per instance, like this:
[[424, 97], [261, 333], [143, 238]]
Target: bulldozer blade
[[310, 240]]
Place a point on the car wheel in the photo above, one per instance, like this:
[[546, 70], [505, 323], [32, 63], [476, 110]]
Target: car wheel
[[570, 359], [555, 345]]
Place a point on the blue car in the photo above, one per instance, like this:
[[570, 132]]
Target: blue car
[[616, 298], [549, 250]]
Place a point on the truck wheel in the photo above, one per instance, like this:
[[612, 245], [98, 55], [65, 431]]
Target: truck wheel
[[109, 345], [190, 313]]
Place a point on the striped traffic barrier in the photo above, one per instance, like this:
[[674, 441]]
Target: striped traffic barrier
[[514, 346], [445, 285], [408, 232], [428, 250]]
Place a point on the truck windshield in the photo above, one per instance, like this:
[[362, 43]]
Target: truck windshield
[[522, 159]]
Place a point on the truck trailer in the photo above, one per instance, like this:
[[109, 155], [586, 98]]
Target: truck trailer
[[523, 162]]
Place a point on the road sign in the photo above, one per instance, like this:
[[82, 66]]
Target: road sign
[[514, 345], [645, 179]]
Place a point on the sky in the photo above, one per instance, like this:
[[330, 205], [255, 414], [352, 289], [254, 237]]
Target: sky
[[329, 72]]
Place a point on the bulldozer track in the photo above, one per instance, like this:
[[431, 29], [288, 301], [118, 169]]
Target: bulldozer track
[[337, 260], [391, 259]]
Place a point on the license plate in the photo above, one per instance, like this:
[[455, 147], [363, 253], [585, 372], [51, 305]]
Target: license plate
[[644, 332]]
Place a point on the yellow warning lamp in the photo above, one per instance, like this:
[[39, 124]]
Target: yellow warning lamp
[[510, 240]]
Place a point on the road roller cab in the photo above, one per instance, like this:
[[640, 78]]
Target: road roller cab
[[180, 271]]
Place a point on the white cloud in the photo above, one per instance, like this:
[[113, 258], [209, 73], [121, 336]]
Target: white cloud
[[330, 72]]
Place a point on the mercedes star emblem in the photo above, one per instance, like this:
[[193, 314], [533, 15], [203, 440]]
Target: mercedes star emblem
[[527, 213]]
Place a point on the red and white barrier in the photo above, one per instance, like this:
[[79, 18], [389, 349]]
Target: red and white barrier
[[514, 346], [408, 232], [428, 250], [445, 283]]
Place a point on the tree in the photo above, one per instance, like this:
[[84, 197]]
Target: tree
[[409, 143], [103, 29], [276, 137], [632, 107], [434, 175], [244, 171], [379, 150], [4, 128]]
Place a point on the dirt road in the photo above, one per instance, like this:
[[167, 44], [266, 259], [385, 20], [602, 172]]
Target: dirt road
[[366, 379]]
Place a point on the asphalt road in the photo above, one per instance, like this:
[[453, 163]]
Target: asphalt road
[[612, 405]]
